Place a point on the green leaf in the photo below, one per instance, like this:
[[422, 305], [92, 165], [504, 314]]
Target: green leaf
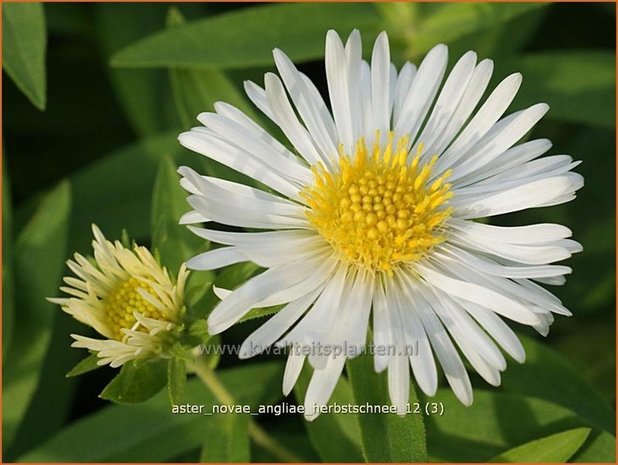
[[578, 86], [137, 381], [144, 95], [226, 439], [39, 261], [84, 366], [150, 432], [124, 201], [233, 276], [174, 242], [600, 447], [557, 448], [260, 313], [8, 307], [335, 437], [176, 379], [389, 437], [44, 418], [543, 370], [23, 56], [249, 36], [496, 421], [450, 22], [196, 91]]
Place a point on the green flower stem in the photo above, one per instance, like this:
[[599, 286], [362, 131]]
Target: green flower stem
[[256, 432]]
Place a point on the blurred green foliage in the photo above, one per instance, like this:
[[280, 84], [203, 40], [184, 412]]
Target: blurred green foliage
[[118, 82]]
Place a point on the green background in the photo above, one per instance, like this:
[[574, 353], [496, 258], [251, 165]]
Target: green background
[[93, 98]]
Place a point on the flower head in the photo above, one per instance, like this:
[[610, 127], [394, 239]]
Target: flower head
[[127, 297], [371, 217]]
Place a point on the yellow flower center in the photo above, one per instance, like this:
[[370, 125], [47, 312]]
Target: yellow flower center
[[123, 300], [377, 210]]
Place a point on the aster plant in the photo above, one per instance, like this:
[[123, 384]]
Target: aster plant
[[371, 217], [341, 234]]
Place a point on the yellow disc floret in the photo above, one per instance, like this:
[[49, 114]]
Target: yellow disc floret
[[378, 210], [123, 300]]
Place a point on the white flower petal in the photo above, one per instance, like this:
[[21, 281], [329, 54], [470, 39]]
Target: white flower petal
[[258, 96], [313, 111], [226, 153], [423, 90], [278, 324], [380, 84], [320, 317], [288, 122], [293, 367], [245, 212], [509, 162], [192, 217], [480, 295], [399, 382], [353, 58], [423, 363], [471, 97], [402, 88], [535, 194], [258, 288], [381, 328], [338, 88], [481, 122], [256, 239], [485, 265], [450, 361], [321, 386], [446, 104], [216, 258], [272, 153], [501, 137]]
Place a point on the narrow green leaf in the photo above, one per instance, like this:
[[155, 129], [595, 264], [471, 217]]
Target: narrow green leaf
[[226, 439], [196, 91], [144, 95], [174, 242], [40, 251], [260, 313], [578, 86], [249, 36], [453, 21], [176, 379], [137, 382], [124, 201], [385, 437], [335, 437], [557, 448], [8, 317], [44, 418], [150, 432], [600, 447], [84, 366], [495, 422], [24, 41], [233, 276], [538, 377]]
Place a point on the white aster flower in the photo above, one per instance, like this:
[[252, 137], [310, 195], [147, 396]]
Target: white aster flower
[[370, 216], [127, 297]]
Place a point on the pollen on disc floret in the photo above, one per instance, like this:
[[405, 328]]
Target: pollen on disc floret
[[124, 300], [377, 209]]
